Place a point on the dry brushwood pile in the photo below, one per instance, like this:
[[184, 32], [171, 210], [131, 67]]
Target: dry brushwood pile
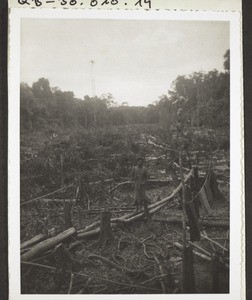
[[80, 233]]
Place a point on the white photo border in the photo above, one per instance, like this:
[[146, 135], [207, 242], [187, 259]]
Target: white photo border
[[237, 290]]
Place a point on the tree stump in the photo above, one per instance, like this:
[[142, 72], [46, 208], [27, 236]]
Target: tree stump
[[215, 273], [192, 216], [188, 271], [105, 228]]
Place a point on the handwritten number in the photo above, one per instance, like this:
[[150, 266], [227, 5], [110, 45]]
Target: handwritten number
[[72, 2], [63, 2], [139, 3], [145, 2], [113, 2], [148, 2], [93, 3]]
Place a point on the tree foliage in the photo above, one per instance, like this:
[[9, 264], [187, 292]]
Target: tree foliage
[[202, 99]]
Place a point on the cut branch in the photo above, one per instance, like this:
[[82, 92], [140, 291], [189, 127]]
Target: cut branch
[[214, 242], [200, 249], [162, 281], [205, 257]]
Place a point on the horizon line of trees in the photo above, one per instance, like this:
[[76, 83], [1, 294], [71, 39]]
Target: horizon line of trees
[[197, 99]]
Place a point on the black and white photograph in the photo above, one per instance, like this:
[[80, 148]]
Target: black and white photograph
[[126, 177]]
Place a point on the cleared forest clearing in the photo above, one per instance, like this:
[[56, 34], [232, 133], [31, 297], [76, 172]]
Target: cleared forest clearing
[[75, 185]]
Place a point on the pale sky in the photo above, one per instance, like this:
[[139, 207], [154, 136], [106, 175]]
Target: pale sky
[[135, 61]]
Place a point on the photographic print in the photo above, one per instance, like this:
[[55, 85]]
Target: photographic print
[[127, 135]]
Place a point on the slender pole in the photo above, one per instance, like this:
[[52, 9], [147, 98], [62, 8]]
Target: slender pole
[[197, 106], [93, 78]]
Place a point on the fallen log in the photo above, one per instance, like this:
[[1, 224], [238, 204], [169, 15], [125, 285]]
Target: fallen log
[[58, 200], [128, 183], [155, 206], [88, 234], [89, 227], [138, 216], [47, 244], [201, 222], [176, 190], [36, 239], [131, 217], [96, 224], [203, 256], [89, 231]]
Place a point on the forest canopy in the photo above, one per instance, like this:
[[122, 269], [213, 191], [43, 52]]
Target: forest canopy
[[201, 99]]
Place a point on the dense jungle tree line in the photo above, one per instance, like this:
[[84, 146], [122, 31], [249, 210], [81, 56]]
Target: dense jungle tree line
[[198, 99]]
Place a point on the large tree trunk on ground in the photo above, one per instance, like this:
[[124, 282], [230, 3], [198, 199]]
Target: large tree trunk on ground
[[88, 234], [47, 244], [131, 217], [128, 218], [36, 239], [156, 206]]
